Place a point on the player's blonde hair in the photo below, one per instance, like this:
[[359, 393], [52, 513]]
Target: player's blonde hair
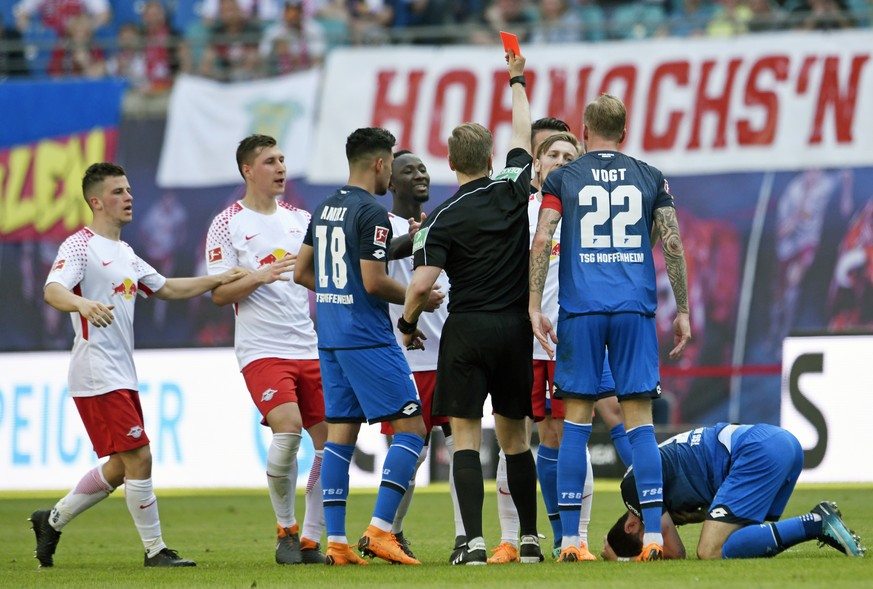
[[606, 117], [470, 147], [549, 141]]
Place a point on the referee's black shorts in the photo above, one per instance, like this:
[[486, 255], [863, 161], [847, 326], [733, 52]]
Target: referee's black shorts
[[482, 353]]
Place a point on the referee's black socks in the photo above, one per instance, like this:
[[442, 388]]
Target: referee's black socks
[[467, 469], [521, 475]]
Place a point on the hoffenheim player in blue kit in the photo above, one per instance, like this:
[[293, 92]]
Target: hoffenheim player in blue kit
[[364, 372], [732, 478], [612, 206]]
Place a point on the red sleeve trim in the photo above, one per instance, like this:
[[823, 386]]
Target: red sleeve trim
[[550, 201]]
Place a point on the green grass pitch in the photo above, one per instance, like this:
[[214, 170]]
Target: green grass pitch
[[231, 536]]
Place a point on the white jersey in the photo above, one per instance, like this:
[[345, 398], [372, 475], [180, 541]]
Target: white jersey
[[550, 291], [109, 272], [273, 321], [430, 324]]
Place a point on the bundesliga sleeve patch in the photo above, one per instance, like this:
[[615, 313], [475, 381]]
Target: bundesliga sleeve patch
[[214, 255], [380, 237], [510, 174], [59, 265], [419, 239]]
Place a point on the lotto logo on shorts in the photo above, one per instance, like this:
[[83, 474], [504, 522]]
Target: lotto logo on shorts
[[410, 409], [718, 513], [380, 237]]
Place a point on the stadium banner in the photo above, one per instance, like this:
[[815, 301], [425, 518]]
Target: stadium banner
[[203, 427], [51, 132], [826, 403], [207, 119], [773, 102]]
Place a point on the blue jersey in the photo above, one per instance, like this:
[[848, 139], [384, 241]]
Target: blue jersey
[[349, 226], [608, 202]]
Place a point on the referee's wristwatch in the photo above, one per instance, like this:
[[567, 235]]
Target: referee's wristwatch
[[405, 327]]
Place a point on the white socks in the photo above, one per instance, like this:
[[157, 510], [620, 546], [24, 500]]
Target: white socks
[[143, 507], [281, 466], [509, 524], [313, 520], [459, 523], [88, 492], [587, 501], [406, 501]]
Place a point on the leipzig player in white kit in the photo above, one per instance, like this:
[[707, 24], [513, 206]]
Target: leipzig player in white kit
[[96, 278], [275, 340]]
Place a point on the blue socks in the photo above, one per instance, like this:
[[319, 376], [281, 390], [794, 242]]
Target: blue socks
[[572, 464], [770, 539], [648, 475], [622, 445], [398, 468], [547, 472], [335, 485]]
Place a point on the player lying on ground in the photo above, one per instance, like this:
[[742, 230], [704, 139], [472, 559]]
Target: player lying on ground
[[733, 478]]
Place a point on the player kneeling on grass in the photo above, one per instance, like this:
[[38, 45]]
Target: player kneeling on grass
[[733, 478]]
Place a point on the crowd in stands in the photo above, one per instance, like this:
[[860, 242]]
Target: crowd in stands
[[147, 42]]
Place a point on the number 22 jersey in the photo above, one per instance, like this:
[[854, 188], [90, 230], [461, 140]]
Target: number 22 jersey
[[607, 203]]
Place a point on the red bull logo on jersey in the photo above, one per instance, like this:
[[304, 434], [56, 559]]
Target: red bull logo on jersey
[[556, 251], [273, 256], [127, 289], [135, 432]]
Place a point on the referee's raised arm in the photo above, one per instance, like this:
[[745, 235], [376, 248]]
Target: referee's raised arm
[[520, 106]]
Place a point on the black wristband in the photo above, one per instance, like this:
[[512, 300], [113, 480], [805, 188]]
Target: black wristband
[[405, 327], [517, 80]]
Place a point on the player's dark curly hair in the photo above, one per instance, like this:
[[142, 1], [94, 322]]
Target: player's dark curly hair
[[97, 173], [623, 544], [249, 148], [368, 142]]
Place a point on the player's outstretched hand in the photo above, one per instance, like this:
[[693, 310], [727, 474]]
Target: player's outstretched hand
[[96, 313], [544, 332], [435, 299], [414, 225], [681, 334], [515, 63], [414, 341], [279, 270], [233, 274]]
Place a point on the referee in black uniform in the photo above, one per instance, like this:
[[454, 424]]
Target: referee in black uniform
[[480, 237]]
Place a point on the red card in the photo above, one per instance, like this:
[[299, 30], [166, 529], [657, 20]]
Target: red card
[[510, 42]]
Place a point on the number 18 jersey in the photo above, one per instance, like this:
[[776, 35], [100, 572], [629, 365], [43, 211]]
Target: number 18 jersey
[[607, 202], [349, 226]]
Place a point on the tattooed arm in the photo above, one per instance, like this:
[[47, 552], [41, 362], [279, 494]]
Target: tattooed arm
[[674, 256], [540, 251]]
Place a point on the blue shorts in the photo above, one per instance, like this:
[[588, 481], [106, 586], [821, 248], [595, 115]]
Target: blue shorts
[[369, 384], [581, 356], [765, 463]]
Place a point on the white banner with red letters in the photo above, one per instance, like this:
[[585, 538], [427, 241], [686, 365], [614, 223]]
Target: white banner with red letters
[[207, 120], [760, 102]]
